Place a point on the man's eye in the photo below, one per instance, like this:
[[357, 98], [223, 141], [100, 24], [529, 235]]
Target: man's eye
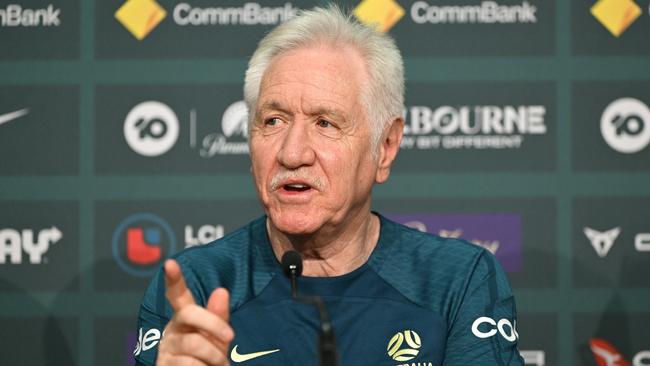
[[323, 123], [272, 121]]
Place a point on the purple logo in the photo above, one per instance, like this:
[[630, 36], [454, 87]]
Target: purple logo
[[131, 341], [499, 233]]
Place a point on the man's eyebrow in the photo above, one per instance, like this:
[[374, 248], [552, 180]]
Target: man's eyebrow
[[275, 105], [326, 111], [272, 105]]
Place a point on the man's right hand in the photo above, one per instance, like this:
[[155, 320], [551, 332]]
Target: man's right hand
[[194, 335]]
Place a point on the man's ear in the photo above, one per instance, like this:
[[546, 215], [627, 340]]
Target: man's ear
[[388, 148]]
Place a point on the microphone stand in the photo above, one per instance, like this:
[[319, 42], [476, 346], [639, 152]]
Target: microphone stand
[[327, 355]]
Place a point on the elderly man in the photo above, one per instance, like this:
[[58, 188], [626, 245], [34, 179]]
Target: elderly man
[[326, 97]]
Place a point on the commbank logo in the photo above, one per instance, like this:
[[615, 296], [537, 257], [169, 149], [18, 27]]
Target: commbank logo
[[140, 17], [13, 242], [379, 14], [606, 354], [625, 125], [141, 242], [616, 15], [488, 12], [14, 15], [602, 242], [151, 128], [404, 346]]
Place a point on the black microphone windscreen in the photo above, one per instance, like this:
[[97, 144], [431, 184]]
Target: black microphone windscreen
[[292, 262]]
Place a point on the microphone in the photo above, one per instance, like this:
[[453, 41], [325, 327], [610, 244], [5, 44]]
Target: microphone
[[292, 267]]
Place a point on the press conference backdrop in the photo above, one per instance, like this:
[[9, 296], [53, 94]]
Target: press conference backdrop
[[123, 141]]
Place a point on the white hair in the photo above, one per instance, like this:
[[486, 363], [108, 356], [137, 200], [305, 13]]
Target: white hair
[[384, 99]]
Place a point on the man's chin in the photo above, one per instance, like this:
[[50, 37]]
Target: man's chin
[[295, 225]]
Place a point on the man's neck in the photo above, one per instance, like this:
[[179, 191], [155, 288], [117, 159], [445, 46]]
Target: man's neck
[[330, 252]]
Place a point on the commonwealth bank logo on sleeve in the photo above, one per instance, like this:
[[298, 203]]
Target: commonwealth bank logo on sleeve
[[140, 17], [616, 15]]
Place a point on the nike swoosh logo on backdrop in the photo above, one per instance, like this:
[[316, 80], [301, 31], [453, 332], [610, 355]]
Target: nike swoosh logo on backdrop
[[239, 357], [7, 117]]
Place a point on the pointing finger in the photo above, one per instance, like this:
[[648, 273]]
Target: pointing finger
[[177, 292], [218, 303]]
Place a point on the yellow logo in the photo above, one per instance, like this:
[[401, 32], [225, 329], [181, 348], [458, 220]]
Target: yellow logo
[[409, 351], [616, 15], [140, 17], [381, 14]]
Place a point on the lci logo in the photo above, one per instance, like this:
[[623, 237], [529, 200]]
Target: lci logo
[[500, 233], [141, 242]]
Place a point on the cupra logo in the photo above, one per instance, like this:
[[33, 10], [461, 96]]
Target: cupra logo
[[410, 349], [616, 15], [140, 17], [383, 14]]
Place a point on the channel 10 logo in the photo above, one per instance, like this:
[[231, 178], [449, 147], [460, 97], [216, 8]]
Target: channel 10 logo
[[141, 242], [151, 128]]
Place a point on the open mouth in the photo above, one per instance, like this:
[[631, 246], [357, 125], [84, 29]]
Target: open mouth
[[296, 187]]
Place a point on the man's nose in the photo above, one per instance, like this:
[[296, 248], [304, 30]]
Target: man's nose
[[296, 150]]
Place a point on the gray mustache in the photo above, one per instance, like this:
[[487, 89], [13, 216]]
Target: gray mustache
[[314, 182]]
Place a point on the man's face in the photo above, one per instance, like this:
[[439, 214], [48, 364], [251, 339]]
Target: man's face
[[310, 140]]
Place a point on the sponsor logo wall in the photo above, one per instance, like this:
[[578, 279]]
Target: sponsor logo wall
[[186, 29], [44, 30], [611, 126], [123, 140], [610, 27], [39, 130], [479, 126], [470, 27], [611, 242], [133, 239], [170, 129], [39, 246], [612, 338], [509, 228]]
